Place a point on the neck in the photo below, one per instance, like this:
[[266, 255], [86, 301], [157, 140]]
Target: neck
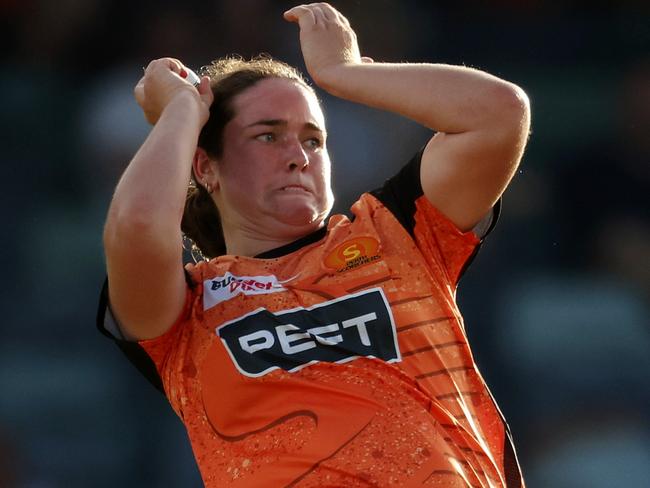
[[244, 241]]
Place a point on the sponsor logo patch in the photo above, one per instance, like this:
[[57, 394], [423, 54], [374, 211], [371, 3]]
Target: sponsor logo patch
[[337, 331], [222, 288], [353, 253]]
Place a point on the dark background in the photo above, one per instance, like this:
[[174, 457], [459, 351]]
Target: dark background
[[556, 305]]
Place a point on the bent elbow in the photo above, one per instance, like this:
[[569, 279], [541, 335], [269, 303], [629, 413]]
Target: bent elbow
[[515, 106], [123, 230], [134, 228], [511, 115]]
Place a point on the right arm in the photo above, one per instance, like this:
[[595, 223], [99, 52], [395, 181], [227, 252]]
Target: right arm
[[481, 122], [142, 235]]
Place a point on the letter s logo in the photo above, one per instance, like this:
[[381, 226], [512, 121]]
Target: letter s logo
[[351, 252]]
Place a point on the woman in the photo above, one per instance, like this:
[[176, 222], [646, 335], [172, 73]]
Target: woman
[[312, 351]]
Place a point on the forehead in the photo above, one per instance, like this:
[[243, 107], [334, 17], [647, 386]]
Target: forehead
[[278, 99]]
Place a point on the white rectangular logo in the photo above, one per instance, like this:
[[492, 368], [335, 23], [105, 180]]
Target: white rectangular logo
[[222, 288], [336, 331]]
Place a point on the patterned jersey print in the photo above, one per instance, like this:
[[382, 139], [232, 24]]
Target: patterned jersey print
[[341, 364]]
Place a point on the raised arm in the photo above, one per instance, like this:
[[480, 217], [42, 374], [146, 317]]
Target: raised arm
[[482, 122], [142, 236]]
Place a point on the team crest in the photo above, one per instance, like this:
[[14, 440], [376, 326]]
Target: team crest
[[353, 253]]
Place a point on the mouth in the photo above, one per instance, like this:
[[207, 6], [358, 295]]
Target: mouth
[[295, 189]]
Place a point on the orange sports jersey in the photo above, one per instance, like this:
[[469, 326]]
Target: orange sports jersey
[[340, 360]]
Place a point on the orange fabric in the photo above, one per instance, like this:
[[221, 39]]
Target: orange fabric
[[424, 419]]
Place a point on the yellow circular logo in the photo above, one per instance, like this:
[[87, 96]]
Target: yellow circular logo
[[352, 253]]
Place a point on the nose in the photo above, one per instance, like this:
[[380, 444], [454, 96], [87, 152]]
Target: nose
[[296, 156]]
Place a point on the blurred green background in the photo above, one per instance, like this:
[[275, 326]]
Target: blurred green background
[[556, 304]]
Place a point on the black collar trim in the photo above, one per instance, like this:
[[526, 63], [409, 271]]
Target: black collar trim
[[278, 252]]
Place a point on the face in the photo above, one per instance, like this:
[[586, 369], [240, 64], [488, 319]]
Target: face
[[274, 173]]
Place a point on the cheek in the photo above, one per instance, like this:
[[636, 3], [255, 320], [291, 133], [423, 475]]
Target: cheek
[[243, 172], [324, 186], [324, 172]]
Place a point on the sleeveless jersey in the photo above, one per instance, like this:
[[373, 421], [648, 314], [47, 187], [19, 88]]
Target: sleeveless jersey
[[340, 360]]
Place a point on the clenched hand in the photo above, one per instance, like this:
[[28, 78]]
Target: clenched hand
[[326, 39], [163, 79]]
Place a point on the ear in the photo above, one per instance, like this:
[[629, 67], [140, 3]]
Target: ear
[[205, 169]]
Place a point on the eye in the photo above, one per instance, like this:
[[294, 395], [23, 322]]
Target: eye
[[313, 143], [266, 137]]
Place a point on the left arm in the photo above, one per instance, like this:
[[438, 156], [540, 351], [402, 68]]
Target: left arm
[[482, 122]]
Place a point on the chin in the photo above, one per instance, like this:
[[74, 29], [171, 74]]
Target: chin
[[307, 218], [300, 220]]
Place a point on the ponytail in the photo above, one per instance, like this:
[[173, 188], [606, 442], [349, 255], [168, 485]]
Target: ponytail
[[201, 224]]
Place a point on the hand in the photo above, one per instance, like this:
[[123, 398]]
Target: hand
[[326, 39], [164, 79]]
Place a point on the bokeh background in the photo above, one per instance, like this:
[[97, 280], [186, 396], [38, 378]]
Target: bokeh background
[[556, 305]]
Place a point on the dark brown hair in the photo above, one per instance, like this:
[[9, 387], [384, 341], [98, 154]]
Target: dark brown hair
[[229, 77]]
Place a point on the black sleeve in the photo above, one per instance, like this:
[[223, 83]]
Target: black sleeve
[[400, 192], [132, 350]]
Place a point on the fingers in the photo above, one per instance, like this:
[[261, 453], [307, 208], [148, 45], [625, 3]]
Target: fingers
[[343, 19], [319, 16], [331, 14], [164, 66], [205, 90], [314, 14], [138, 91], [326, 37], [176, 66], [302, 15], [170, 63], [163, 79]]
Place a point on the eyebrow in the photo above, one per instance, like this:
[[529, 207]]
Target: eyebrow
[[279, 122]]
